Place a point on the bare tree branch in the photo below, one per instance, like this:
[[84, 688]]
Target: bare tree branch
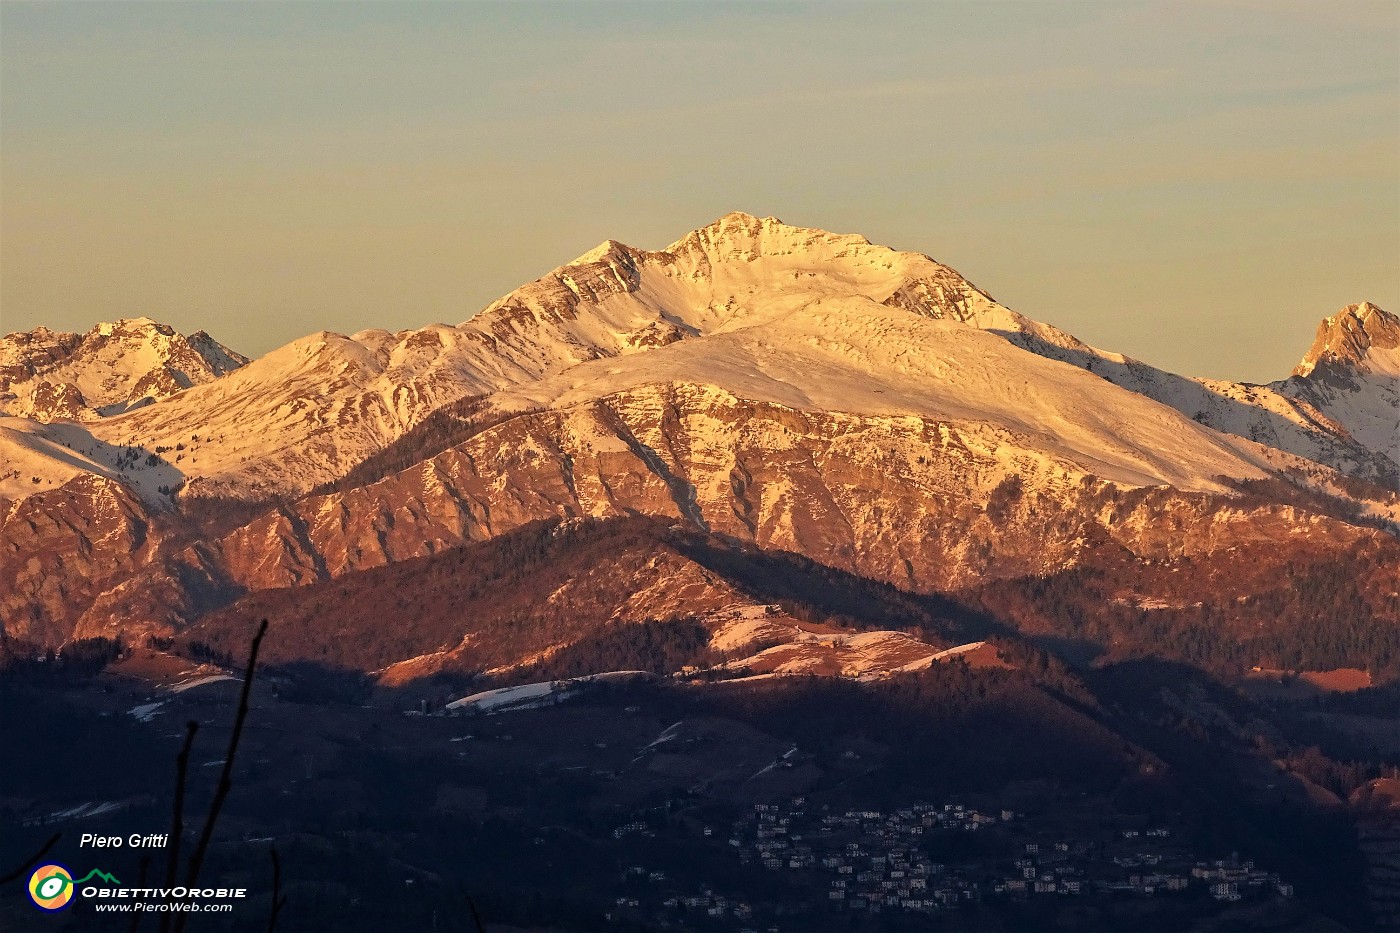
[[32, 860], [177, 817], [279, 900], [476, 917], [140, 883], [226, 776]]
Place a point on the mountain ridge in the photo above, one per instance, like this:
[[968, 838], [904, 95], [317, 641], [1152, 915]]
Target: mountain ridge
[[327, 402], [781, 387]]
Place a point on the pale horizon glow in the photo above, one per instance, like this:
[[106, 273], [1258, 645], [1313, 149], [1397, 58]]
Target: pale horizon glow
[[1194, 185]]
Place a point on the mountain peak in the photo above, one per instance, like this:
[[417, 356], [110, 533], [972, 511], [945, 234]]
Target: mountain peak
[[140, 323], [1350, 338], [726, 274], [117, 365], [746, 217], [603, 252], [740, 234], [742, 221]]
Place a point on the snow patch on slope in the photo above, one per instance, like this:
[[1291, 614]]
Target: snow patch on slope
[[30, 452]]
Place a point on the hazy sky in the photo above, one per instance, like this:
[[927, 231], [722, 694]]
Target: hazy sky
[[1195, 185]]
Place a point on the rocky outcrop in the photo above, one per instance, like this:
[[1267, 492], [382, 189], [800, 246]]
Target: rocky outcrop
[[63, 548], [1348, 339], [1351, 375]]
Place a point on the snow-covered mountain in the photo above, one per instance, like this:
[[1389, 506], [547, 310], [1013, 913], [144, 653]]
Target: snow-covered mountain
[[747, 276], [789, 314], [115, 367], [325, 402], [787, 388]]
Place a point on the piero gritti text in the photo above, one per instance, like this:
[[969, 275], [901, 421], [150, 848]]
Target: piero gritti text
[[134, 841]]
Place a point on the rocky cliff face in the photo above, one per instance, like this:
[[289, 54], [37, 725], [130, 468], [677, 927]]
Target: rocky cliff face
[[1351, 374], [929, 506], [63, 548], [1357, 337]]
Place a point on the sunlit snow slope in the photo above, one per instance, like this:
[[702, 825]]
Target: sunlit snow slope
[[759, 309]]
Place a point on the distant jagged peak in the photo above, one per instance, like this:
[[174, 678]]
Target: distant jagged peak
[[1354, 338], [34, 346], [741, 225], [740, 221], [739, 237], [163, 337], [735, 236], [116, 365]]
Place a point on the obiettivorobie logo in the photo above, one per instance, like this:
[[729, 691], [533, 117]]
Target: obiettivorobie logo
[[51, 886]]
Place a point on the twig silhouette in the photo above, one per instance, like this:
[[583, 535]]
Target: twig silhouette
[[30, 862], [177, 818], [140, 883], [476, 917], [226, 776], [279, 900]]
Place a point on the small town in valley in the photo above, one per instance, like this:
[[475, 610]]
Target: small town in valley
[[872, 862]]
